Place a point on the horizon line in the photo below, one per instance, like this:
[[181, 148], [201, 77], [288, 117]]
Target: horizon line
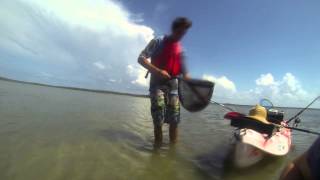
[[112, 92]]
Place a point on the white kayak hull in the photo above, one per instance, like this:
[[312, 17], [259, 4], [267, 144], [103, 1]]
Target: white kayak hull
[[252, 146], [246, 155]]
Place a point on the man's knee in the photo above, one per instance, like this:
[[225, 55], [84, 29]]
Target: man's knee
[[157, 107], [173, 110], [157, 99], [174, 102]]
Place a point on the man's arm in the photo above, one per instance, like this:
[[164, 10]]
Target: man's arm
[[302, 167], [143, 60], [184, 69], [293, 170]]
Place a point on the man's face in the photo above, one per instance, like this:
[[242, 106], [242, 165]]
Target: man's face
[[178, 33]]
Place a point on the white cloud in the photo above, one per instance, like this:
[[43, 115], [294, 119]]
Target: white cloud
[[112, 80], [98, 15], [265, 80], [139, 73], [286, 91], [64, 39], [99, 65], [222, 83]]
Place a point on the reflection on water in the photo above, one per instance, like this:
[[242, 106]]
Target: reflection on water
[[59, 134]]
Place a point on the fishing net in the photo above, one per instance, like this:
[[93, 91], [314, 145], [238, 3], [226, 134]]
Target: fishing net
[[194, 94]]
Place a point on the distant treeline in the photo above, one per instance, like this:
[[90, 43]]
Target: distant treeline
[[76, 88]]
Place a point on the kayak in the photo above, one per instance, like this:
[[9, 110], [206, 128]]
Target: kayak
[[261, 133], [252, 146]]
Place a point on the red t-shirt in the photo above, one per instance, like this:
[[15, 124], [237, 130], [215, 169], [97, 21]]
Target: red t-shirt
[[169, 58]]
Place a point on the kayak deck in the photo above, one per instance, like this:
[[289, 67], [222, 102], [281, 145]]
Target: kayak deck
[[278, 144]]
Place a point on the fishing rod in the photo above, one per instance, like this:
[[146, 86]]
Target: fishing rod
[[302, 130], [222, 105], [302, 110]]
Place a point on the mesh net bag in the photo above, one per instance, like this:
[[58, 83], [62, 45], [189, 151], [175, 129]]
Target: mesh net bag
[[194, 94]]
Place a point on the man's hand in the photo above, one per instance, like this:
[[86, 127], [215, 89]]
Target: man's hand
[[164, 74], [153, 69], [187, 76]]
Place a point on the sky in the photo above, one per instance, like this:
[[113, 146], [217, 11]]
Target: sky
[[250, 49]]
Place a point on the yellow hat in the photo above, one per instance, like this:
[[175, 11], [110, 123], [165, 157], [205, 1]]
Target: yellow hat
[[258, 113]]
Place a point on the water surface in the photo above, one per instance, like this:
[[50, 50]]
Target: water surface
[[60, 134]]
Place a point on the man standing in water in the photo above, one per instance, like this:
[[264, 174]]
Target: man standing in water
[[166, 63]]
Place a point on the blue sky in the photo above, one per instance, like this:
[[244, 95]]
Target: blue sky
[[242, 39], [251, 49]]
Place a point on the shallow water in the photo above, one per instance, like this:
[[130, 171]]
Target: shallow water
[[59, 134]]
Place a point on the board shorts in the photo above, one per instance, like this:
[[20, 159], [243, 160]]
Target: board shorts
[[165, 105]]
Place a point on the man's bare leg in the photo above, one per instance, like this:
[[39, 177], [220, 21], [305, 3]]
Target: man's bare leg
[[173, 133], [157, 136]]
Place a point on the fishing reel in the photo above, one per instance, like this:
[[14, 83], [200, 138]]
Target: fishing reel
[[296, 122]]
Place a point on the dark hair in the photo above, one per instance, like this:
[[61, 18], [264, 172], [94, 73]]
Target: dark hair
[[181, 22]]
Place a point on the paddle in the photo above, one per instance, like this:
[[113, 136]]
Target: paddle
[[239, 116]]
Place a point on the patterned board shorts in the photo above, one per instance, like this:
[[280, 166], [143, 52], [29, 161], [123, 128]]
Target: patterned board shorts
[[165, 107]]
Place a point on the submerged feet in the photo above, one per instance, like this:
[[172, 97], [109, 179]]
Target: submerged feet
[[158, 137]]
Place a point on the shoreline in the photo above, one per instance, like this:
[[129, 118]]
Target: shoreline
[[117, 93]]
